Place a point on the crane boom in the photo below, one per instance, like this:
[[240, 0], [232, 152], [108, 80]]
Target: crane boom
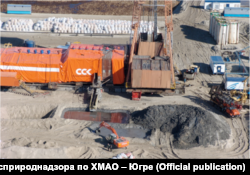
[[155, 20]]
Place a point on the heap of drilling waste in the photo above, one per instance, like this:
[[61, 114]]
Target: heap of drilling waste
[[190, 126]]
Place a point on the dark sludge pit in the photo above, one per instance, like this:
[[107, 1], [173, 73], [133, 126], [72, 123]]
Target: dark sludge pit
[[119, 120]]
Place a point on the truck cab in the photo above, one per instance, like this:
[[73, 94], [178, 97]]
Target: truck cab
[[233, 112]]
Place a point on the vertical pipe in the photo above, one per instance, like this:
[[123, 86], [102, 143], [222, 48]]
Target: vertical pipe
[[210, 23], [155, 20]]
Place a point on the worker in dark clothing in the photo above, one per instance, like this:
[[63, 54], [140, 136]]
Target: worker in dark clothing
[[109, 147]]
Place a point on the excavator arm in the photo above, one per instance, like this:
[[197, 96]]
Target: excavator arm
[[104, 124]]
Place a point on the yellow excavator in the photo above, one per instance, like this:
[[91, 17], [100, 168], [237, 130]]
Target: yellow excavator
[[238, 95]]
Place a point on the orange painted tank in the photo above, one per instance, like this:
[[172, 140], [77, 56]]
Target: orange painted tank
[[9, 79], [32, 67], [77, 64]]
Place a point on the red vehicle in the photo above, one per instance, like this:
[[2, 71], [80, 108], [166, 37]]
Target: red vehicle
[[226, 106]]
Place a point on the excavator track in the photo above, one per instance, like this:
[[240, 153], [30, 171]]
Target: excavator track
[[35, 94], [20, 93]]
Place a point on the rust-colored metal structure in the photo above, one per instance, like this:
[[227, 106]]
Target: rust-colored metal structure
[[167, 49], [135, 25], [169, 37], [150, 73], [97, 116]]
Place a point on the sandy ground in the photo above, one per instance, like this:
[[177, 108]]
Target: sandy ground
[[26, 133]]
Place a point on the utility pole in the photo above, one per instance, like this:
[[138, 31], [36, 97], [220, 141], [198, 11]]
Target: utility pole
[[155, 20]]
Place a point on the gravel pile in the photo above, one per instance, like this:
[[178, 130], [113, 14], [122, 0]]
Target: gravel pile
[[191, 126]]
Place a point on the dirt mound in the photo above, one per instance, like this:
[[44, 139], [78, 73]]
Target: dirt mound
[[191, 126]]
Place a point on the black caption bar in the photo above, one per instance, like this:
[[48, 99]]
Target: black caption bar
[[143, 165]]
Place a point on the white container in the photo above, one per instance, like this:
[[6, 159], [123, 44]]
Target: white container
[[234, 83], [217, 65], [232, 33]]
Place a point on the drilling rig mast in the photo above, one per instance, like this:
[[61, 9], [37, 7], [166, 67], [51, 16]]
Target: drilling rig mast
[[168, 37], [135, 26]]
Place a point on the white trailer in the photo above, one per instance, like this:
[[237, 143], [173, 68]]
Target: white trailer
[[217, 65], [221, 4], [234, 83]]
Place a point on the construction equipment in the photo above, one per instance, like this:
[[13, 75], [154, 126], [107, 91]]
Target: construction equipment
[[238, 95], [96, 93], [95, 90], [26, 88], [224, 102], [135, 26], [119, 142], [169, 38], [191, 73], [168, 35]]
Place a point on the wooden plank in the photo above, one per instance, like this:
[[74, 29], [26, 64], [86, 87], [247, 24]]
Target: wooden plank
[[146, 79], [136, 78], [165, 79], [158, 47], [146, 48], [156, 79]]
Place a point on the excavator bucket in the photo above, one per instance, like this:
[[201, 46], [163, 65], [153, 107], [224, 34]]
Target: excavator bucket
[[97, 131]]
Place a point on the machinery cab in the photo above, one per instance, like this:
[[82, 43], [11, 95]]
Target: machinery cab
[[233, 112], [112, 137], [194, 69]]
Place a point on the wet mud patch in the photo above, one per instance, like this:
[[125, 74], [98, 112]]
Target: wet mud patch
[[190, 126], [113, 116], [125, 130], [120, 120]]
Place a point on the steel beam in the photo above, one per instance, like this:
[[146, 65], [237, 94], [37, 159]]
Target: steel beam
[[153, 5], [244, 49], [237, 73], [155, 20], [241, 61]]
